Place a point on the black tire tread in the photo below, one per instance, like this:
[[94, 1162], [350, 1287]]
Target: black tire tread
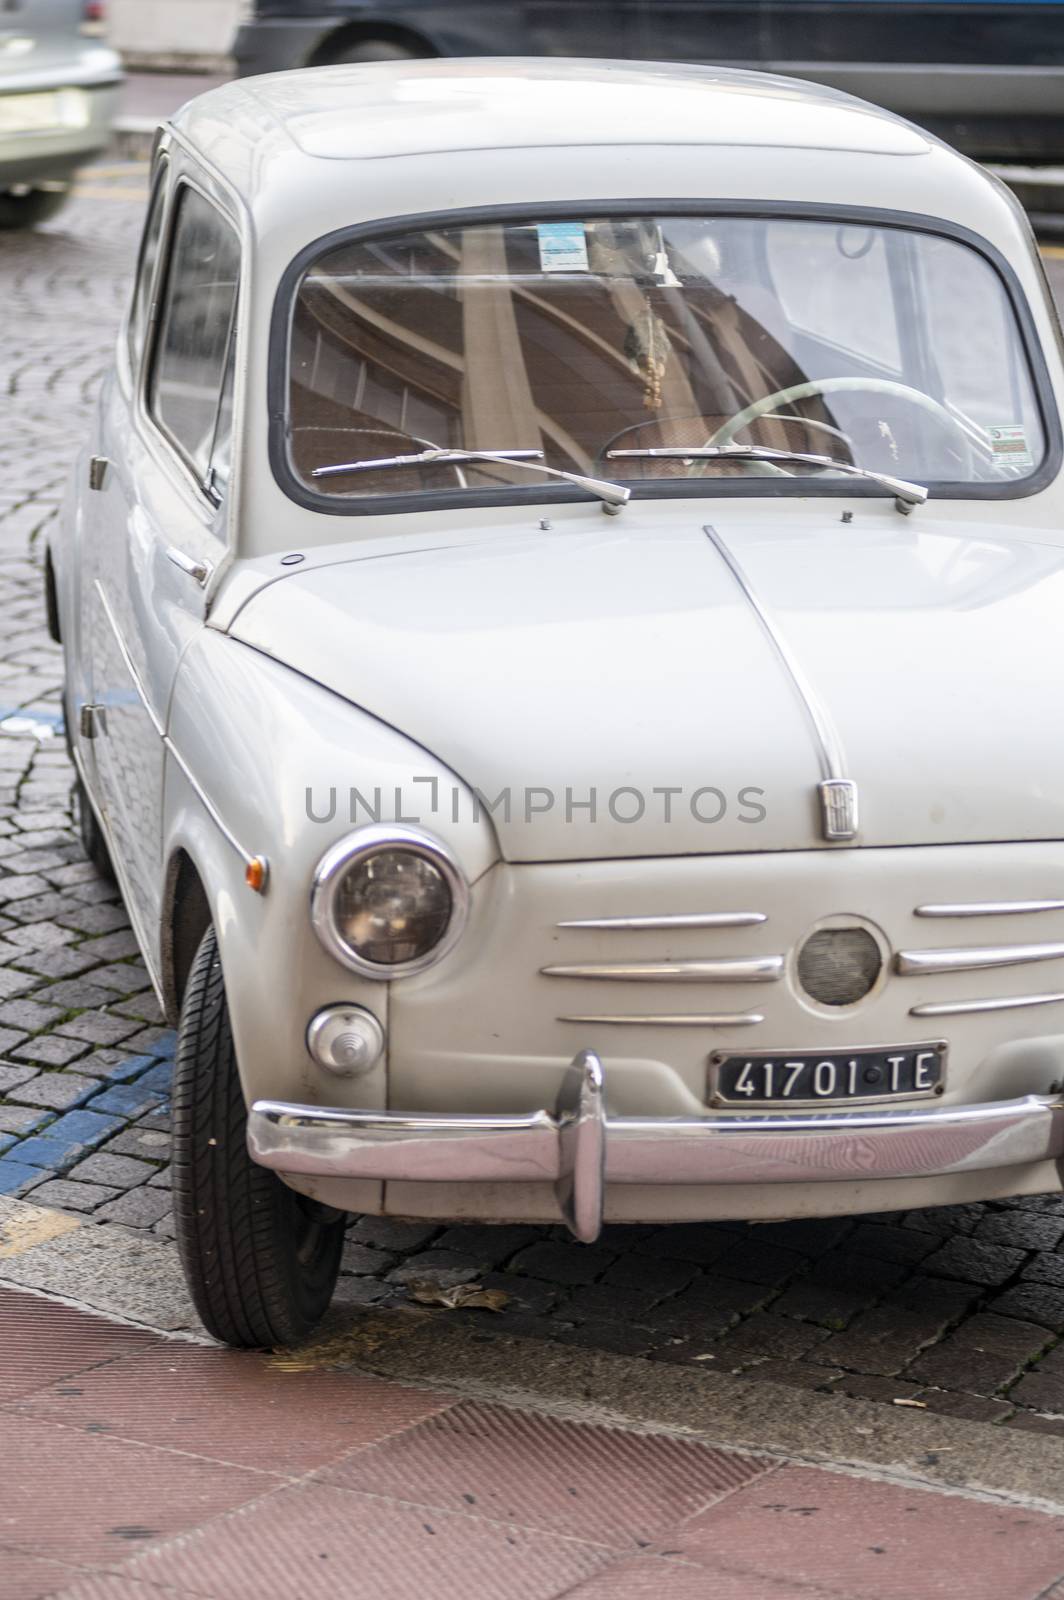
[[234, 1220]]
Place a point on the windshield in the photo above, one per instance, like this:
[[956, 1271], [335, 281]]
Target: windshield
[[595, 341]]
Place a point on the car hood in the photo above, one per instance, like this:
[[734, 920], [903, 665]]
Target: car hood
[[631, 689]]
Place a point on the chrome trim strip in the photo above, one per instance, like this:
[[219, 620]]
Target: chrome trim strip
[[751, 969], [989, 908], [827, 739], [960, 1008], [341, 856], [719, 1019], [247, 856], [913, 963], [581, 1150], [695, 919], [829, 747], [127, 659]]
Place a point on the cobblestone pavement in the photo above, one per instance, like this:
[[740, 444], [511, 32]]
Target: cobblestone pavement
[[960, 1310]]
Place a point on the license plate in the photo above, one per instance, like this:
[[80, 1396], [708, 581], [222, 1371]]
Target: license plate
[[807, 1077], [31, 113]]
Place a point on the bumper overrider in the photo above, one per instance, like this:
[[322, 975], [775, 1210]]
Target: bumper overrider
[[580, 1149]]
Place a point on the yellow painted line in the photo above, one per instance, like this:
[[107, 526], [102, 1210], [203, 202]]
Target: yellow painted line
[[29, 1226], [1053, 252]]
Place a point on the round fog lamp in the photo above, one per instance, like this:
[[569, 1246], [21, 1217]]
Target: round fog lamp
[[345, 1040]]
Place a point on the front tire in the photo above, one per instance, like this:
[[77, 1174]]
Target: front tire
[[261, 1261], [29, 207]]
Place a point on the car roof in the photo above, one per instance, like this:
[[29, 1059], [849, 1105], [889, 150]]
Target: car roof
[[312, 150], [421, 107]]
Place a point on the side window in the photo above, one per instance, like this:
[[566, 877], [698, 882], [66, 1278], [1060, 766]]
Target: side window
[[140, 310], [195, 328]]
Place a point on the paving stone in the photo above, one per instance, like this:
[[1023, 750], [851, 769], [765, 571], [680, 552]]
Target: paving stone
[[975, 1262], [956, 1366], [50, 1049], [491, 1246], [881, 1340], [29, 1015], [763, 1335], [1028, 1422], [93, 919], [11, 1076], [604, 1302], [18, 1178], [947, 1221], [563, 1263], [13, 983], [72, 1196], [700, 1243], [64, 1142], [618, 1337], [118, 1172], [861, 1387], [114, 1066], [162, 1178], [892, 1244], [445, 1267], [970, 1407], [359, 1259], [1042, 1303], [654, 1275], [755, 1261], [97, 1027], [144, 1142], [58, 1091], [38, 936], [1045, 1268], [21, 1119], [127, 1100], [1022, 1230], [844, 1270], [154, 1042], [77, 994], [57, 961], [112, 946], [1040, 1389], [137, 1208]]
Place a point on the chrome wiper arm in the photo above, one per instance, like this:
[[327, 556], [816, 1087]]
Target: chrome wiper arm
[[906, 494], [614, 496]]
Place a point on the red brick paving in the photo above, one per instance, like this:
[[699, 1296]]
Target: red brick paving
[[137, 1468]]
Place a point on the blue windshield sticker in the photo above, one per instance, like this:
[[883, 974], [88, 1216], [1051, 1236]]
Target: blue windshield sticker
[[562, 247]]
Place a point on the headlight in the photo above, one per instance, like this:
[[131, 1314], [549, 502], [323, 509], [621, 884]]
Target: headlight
[[388, 901]]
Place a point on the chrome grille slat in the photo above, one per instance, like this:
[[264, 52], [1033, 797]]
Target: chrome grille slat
[[696, 919], [722, 1019], [747, 969], [921, 963], [960, 1008], [989, 908]]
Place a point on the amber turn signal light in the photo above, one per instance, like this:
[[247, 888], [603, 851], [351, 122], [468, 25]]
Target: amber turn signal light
[[255, 874]]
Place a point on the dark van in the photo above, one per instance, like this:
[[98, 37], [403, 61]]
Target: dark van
[[986, 74]]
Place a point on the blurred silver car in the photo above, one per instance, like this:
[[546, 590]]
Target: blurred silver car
[[58, 89]]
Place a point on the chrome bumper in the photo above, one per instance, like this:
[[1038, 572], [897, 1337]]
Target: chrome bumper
[[579, 1149]]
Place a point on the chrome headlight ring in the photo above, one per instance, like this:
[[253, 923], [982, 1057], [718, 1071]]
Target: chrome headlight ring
[[337, 862]]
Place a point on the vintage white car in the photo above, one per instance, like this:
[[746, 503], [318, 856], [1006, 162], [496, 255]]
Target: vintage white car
[[562, 608]]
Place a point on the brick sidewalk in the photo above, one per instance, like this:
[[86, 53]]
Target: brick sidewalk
[[139, 1467], [960, 1309]]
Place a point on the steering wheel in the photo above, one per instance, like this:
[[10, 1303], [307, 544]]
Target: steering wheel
[[822, 386]]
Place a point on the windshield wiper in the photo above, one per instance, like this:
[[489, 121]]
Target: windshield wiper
[[906, 494], [614, 496]]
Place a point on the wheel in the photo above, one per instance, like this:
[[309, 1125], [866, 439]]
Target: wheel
[[373, 50], [261, 1261], [25, 208], [92, 837]]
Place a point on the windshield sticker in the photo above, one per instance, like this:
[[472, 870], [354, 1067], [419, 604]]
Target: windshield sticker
[[1009, 445], [562, 247]]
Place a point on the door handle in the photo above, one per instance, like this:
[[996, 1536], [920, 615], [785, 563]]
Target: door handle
[[200, 570], [98, 466]]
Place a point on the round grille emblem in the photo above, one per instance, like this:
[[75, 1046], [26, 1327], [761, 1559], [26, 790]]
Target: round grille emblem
[[838, 966]]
